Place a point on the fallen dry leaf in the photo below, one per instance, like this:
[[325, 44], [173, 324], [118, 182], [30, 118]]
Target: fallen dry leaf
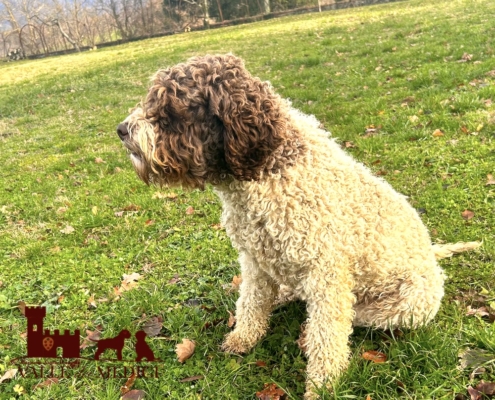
[[68, 230], [129, 281], [46, 383], [301, 342], [375, 356], [184, 350], [174, 280], [21, 305], [8, 375], [482, 390], [131, 207], [437, 133], [260, 363], [92, 337], [149, 222], [490, 180], [91, 301], [270, 392], [236, 282], [134, 394], [153, 326], [192, 378], [99, 160], [474, 358], [349, 145], [467, 214], [129, 384], [189, 210], [231, 321]]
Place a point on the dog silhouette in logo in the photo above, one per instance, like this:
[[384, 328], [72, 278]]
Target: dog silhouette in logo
[[116, 343], [142, 348]]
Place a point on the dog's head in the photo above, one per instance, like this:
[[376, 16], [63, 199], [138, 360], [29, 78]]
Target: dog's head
[[204, 121]]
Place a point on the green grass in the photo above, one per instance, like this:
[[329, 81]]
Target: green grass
[[392, 66]]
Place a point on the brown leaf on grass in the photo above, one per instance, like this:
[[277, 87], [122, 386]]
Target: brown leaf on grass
[[491, 73], [260, 363], [437, 133], [99, 160], [184, 350], [236, 282], [270, 392], [21, 305], [118, 213], [490, 180], [301, 342], [349, 145], [464, 129], [467, 214], [131, 207], [161, 196], [189, 210], [192, 378], [174, 280], [129, 281], [134, 394], [68, 230], [482, 390], [92, 337], [46, 383], [129, 384], [91, 301], [153, 326], [474, 358], [481, 312], [9, 374], [231, 321], [217, 227], [371, 130], [149, 222], [465, 58], [374, 356]]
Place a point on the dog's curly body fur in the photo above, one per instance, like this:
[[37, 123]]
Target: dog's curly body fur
[[299, 210]]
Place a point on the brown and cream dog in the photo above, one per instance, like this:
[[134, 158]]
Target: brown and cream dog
[[301, 212]]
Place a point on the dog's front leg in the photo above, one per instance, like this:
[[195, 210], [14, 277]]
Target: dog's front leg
[[256, 299], [329, 299]]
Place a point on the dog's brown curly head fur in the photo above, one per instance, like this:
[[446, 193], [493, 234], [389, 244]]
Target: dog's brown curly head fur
[[207, 120]]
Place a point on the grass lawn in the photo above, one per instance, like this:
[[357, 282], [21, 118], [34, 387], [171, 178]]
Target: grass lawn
[[407, 89]]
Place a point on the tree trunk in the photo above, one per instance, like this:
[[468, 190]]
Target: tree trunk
[[64, 34]]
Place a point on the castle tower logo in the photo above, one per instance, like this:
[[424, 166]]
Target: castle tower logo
[[41, 343]]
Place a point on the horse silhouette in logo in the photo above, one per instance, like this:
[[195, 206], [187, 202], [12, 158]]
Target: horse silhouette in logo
[[142, 348], [116, 343]]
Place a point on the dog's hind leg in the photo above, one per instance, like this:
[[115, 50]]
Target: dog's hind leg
[[253, 308], [407, 302], [328, 293]]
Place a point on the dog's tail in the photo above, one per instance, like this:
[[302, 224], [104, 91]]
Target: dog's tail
[[449, 249]]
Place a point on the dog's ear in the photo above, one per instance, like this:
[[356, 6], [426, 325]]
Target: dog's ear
[[254, 126]]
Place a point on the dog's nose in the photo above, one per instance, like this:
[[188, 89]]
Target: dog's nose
[[122, 131]]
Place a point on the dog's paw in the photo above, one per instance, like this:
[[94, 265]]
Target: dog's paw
[[234, 344]]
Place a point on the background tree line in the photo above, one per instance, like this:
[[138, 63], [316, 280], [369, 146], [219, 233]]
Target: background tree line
[[44, 26]]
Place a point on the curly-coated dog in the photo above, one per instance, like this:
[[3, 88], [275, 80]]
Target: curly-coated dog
[[301, 213]]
